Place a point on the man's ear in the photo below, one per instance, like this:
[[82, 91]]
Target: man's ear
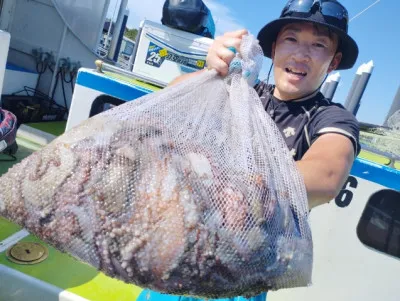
[[335, 62], [273, 51]]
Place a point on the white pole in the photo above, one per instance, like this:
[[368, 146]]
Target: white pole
[[361, 86], [353, 87], [330, 90]]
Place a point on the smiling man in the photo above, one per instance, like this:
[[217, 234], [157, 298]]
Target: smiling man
[[303, 54], [307, 42]]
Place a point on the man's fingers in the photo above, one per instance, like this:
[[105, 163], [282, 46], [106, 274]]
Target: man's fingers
[[219, 65], [236, 34], [219, 55], [232, 42], [225, 54]]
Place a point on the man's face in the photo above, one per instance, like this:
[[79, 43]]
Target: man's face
[[302, 56]]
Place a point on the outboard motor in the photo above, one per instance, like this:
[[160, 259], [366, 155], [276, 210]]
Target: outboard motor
[[189, 15]]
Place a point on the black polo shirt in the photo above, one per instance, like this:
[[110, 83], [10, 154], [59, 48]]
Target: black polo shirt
[[302, 122]]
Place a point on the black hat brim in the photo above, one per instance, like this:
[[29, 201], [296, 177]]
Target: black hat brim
[[268, 34]]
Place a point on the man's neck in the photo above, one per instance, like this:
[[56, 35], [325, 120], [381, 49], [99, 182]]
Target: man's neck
[[297, 99]]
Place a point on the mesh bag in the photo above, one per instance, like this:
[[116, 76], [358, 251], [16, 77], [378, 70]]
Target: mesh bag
[[190, 190]]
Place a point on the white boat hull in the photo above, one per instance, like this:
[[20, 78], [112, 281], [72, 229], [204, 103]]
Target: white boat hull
[[344, 267]]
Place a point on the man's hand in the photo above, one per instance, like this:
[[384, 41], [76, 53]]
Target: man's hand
[[325, 167], [219, 56]]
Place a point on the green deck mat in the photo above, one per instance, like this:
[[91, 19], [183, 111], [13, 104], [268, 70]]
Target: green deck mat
[[54, 127], [66, 272], [7, 228], [22, 153]]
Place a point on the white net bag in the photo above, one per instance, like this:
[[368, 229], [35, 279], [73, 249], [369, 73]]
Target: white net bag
[[190, 190]]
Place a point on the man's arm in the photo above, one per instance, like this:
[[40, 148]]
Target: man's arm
[[325, 167]]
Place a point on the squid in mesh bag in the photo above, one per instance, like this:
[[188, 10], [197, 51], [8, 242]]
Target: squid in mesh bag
[[190, 190]]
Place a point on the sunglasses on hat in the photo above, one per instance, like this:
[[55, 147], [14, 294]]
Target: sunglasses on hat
[[333, 11]]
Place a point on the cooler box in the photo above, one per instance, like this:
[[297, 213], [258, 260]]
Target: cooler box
[[164, 53]]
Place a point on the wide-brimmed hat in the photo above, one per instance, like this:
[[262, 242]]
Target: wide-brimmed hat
[[268, 34]]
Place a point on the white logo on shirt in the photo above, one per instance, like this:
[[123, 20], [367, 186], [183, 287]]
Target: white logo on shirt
[[293, 152], [289, 132]]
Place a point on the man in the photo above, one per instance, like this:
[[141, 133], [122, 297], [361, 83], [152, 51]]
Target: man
[[308, 41]]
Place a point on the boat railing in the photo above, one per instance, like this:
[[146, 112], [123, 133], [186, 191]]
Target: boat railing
[[392, 157], [102, 67]]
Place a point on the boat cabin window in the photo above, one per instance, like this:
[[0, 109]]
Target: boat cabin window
[[379, 226], [103, 103]]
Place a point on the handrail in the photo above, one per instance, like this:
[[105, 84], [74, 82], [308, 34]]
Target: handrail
[[102, 66], [390, 156]]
